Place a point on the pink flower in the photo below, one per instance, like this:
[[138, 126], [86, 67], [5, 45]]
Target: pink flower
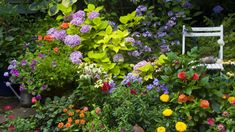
[[85, 109], [220, 127], [7, 107], [34, 100], [11, 128], [195, 76], [234, 102], [210, 121], [225, 113], [11, 117]]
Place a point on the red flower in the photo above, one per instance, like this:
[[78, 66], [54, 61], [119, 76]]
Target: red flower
[[210, 121], [195, 76], [11, 128], [7, 107], [34, 100], [56, 50], [64, 25], [11, 117], [48, 38], [182, 75], [40, 37], [105, 87], [133, 91], [204, 104], [128, 84]]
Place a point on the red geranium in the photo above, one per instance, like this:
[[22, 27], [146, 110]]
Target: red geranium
[[106, 87], [56, 50], [133, 91], [64, 25], [210, 121], [7, 107], [195, 76], [182, 75]]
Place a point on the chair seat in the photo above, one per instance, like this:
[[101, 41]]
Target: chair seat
[[215, 66]]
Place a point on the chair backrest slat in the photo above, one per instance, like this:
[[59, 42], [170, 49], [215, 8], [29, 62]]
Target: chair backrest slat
[[207, 34], [206, 28]]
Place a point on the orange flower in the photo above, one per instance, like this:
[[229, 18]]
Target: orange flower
[[56, 50], [67, 125], [70, 113], [48, 38], [78, 110], [64, 25], [182, 98], [204, 104], [60, 125], [82, 111], [65, 110], [82, 115], [40, 37], [77, 121], [82, 121], [70, 120]]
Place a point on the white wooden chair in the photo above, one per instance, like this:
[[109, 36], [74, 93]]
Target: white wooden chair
[[207, 32]]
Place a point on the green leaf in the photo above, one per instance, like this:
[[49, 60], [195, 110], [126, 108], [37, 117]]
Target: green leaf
[[91, 7], [9, 38], [91, 54], [188, 90], [53, 10], [123, 19], [97, 21], [68, 3], [215, 107], [116, 70], [146, 67], [109, 30], [99, 8]]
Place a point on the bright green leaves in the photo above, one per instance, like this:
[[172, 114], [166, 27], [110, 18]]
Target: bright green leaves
[[92, 7], [53, 9], [68, 3], [130, 20], [96, 55], [109, 30], [129, 17], [65, 10]]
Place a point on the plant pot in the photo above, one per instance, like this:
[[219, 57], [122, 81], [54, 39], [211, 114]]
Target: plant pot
[[25, 99]]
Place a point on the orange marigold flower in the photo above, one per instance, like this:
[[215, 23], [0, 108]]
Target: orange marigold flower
[[82, 115], [82, 111], [48, 38], [82, 121], [60, 125], [182, 98], [204, 104], [70, 120], [56, 50], [78, 110], [40, 37], [77, 121], [64, 25], [67, 125], [70, 113], [65, 110]]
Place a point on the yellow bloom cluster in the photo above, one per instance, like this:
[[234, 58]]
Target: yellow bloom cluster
[[161, 129], [180, 126], [167, 112], [231, 99], [165, 98]]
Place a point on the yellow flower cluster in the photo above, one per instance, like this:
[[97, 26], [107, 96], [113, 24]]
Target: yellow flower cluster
[[180, 126], [167, 112], [165, 98], [231, 99], [161, 129]]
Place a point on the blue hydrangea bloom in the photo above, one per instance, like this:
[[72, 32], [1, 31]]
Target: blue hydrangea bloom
[[77, 21], [76, 57], [79, 14], [85, 29], [72, 40]]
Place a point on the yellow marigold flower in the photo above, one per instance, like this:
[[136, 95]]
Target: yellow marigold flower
[[161, 129], [167, 112], [231, 99], [165, 98], [180, 126]]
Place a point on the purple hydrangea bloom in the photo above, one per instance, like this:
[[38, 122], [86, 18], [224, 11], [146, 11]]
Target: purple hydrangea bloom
[[57, 34], [130, 39], [41, 55], [187, 5], [150, 86], [72, 40], [138, 42], [139, 64], [75, 57], [112, 84], [131, 78], [93, 15], [147, 34], [118, 58], [136, 53], [77, 21], [79, 14], [13, 62], [6, 74], [164, 48], [161, 34], [147, 48], [170, 23], [155, 82], [217, 9], [163, 88], [23, 62], [8, 84], [10, 67], [175, 42], [140, 9], [170, 13], [15, 72], [85, 29]]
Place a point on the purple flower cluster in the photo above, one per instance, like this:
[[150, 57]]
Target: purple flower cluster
[[72, 40], [147, 34], [23, 63], [33, 64], [187, 5], [57, 34], [135, 53], [6, 74], [12, 65], [218, 9], [139, 64], [163, 87], [140, 10], [118, 58], [41, 56], [130, 78], [22, 87], [130, 40], [112, 85], [76, 57], [85, 29], [78, 14], [93, 15], [164, 48], [77, 21], [170, 13], [15, 72]]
